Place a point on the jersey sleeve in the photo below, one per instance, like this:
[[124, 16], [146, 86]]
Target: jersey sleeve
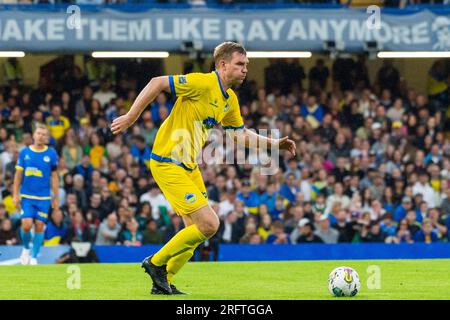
[[20, 165], [191, 85], [233, 119], [54, 161]]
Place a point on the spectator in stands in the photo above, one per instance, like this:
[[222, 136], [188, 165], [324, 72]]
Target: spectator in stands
[[345, 228], [7, 234], [289, 189], [277, 235], [325, 232], [250, 230], [337, 196], [249, 197], [131, 235], [57, 123], [71, 152], [312, 112], [424, 188], [306, 233], [108, 232], [105, 94], [426, 234], [78, 230], [403, 233], [56, 230], [231, 228], [152, 235], [95, 150], [176, 224], [413, 225], [402, 209]]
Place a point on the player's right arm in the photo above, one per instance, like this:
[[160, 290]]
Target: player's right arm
[[192, 86], [16, 186], [145, 97]]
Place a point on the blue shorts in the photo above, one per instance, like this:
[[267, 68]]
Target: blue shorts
[[35, 209]]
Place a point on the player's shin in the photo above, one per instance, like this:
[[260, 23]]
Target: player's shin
[[26, 238], [37, 243], [185, 240], [176, 263]]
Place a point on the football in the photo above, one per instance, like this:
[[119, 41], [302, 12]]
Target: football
[[344, 282]]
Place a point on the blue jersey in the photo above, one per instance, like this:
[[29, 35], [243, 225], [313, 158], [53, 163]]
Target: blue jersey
[[37, 168]]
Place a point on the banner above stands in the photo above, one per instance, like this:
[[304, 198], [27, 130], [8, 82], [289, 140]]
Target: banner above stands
[[258, 29]]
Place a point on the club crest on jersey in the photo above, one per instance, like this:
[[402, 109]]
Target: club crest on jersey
[[47, 159], [227, 106], [209, 122], [190, 197], [27, 157], [182, 80]]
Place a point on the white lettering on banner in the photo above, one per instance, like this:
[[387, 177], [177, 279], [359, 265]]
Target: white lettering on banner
[[160, 33], [99, 27], [119, 30], [33, 28], [139, 30], [257, 31], [401, 34], [338, 28], [79, 32], [318, 29], [234, 30], [275, 27], [211, 29], [384, 34], [55, 29], [189, 29], [358, 31], [12, 31], [420, 33], [177, 28], [297, 31]]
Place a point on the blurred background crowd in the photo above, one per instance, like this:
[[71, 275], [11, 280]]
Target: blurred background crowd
[[372, 161], [386, 3]]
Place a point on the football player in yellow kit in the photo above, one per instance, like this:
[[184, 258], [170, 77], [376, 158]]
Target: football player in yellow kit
[[203, 101]]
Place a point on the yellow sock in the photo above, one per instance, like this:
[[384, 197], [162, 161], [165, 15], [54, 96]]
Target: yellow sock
[[176, 263], [187, 239]]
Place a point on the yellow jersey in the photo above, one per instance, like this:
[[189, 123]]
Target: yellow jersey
[[201, 104], [58, 127]]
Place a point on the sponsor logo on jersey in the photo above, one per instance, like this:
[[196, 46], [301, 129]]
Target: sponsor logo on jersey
[[182, 80]]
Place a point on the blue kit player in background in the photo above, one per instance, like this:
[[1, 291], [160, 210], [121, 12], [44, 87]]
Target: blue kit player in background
[[35, 177]]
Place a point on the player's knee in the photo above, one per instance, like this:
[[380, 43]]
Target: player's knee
[[211, 226], [26, 225]]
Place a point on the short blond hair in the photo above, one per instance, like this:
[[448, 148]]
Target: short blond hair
[[40, 125], [225, 50]]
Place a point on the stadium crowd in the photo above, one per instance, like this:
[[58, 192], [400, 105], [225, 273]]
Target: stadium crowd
[[372, 161]]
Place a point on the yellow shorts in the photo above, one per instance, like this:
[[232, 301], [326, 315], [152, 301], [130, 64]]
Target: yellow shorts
[[185, 190]]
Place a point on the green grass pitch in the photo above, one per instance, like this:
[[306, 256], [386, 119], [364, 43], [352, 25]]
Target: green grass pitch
[[399, 279]]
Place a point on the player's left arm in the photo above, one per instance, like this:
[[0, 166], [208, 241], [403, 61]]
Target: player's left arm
[[250, 139], [234, 126], [55, 181]]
